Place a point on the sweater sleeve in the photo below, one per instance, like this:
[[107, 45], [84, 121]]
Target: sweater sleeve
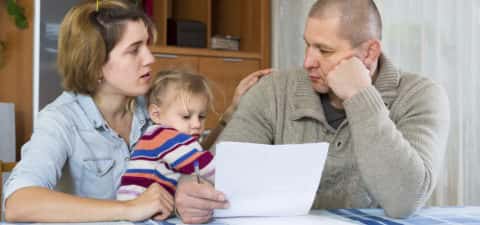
[[400, 161]]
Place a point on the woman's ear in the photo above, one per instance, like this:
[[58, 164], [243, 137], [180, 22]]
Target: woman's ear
[[372, 50]]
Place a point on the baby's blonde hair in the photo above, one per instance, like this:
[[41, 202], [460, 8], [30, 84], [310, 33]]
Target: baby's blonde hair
[[184, 83]]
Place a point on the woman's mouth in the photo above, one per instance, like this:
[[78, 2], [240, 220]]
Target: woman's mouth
[[145, 76]]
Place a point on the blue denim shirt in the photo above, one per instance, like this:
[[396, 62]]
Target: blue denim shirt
[[72, 143]]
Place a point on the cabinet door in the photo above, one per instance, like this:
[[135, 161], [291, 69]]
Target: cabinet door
[[175, 62], [224, 74]]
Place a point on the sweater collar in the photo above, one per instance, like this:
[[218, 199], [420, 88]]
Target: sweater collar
[[306, 102]]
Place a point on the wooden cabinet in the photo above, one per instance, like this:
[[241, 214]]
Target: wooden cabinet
[[175, 62], [16, 80], [247, 19], [223, 73]]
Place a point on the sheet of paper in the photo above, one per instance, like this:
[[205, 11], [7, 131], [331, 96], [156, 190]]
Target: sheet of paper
[[291, 220], [268, 180]]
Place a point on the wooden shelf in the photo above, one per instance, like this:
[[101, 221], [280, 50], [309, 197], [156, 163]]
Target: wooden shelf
[[249, 20], [173, 50]]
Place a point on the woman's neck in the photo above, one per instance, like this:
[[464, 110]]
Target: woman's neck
[[112, 107]]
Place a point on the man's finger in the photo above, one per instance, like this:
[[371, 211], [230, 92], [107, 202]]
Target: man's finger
[[196, 220], [204, 203], [197, 212], [207, 192]]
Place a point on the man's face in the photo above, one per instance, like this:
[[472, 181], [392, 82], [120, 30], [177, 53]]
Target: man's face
[[324, 49]]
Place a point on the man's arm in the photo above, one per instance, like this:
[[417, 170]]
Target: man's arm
[[400, 161], [196, 202]]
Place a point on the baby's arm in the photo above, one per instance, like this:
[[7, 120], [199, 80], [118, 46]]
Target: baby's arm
[[183, 158], [141, 174]]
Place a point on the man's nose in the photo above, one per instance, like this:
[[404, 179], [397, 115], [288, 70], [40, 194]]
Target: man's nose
[[310, 60]]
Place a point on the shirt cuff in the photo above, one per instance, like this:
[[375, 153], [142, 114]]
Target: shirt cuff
[[12, 185], [364, 104]]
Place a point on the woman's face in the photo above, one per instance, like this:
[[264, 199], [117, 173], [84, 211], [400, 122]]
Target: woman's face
[[127, 71]]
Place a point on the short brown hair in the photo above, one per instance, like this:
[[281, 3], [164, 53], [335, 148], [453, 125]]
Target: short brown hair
[[185, 83], [359, 19], [87, 36]]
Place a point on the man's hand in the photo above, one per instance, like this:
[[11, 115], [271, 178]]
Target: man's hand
[[195, 202], [348, 78], [155, 203], [245, 84]]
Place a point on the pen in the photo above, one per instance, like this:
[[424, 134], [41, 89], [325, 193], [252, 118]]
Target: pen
[[197, 170]]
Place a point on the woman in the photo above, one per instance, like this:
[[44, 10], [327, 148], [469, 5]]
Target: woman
[[85, 136]]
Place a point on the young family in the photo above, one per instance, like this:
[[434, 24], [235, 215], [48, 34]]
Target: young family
[[121, 143]]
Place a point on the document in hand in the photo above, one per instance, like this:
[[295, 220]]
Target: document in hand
[[268, 180]]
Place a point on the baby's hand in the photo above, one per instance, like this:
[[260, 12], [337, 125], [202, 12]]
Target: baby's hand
[[155, 203]]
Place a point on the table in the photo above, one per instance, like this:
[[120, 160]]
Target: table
[[429, 216]]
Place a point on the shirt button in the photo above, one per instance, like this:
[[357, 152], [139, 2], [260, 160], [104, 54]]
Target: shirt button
[[339, 144]]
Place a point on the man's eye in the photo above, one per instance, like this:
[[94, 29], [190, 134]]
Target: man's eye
[[323, 51], [134, 51]]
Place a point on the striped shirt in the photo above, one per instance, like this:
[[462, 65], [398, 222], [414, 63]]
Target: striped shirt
[[161, 156]]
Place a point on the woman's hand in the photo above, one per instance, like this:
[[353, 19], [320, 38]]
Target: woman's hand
[[195, 202], [244, 85], [155, 203]]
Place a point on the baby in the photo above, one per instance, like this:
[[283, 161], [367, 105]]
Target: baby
[[177, 104]]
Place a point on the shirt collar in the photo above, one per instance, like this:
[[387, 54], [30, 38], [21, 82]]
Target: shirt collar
[[308, 104], [140, 120], [140, 116], [91, 110]]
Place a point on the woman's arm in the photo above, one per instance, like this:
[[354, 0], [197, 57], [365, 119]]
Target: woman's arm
[[29, 190], [43, 205]]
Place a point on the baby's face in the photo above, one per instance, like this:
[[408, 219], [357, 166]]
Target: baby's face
[[185, 116]]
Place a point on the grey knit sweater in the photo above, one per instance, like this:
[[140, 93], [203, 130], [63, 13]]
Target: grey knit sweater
[[387, 153]]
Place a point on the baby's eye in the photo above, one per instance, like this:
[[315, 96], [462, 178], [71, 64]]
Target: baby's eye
[[202, 117], [186, 117]]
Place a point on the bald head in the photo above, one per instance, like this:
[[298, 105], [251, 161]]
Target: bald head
[[359, 20]]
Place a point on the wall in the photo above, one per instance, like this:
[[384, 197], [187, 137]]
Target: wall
[[288, 23], [16, 74]]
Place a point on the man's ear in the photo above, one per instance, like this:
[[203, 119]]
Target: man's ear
[[372, 50]]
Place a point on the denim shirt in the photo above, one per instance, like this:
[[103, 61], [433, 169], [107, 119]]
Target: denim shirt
[[72, 143]]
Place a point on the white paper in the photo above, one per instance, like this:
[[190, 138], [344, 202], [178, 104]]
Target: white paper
[[292, 220], [268, 180]]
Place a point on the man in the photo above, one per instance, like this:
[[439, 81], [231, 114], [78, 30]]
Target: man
[[387, 129]]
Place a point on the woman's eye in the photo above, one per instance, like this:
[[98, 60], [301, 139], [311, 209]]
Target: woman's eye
[[134, 51]]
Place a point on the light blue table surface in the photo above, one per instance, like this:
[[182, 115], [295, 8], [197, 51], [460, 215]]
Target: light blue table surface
[[429, 216]]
